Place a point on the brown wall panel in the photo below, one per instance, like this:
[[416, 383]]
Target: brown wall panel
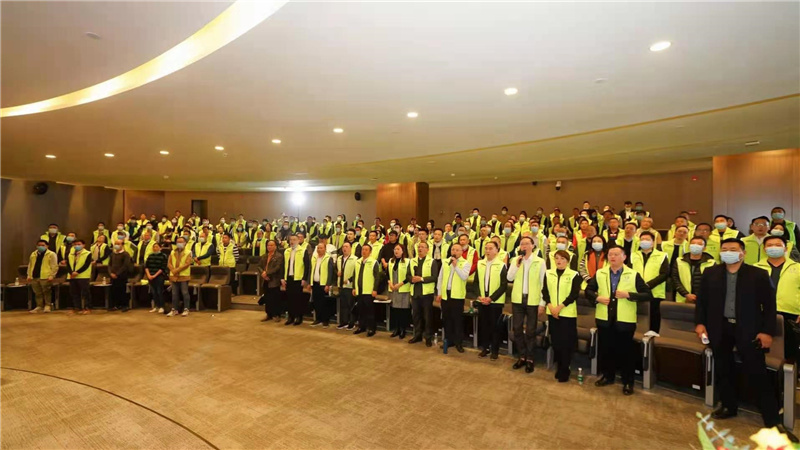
[[147, 202]]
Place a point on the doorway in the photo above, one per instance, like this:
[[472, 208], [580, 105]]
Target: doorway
[[200, 207]]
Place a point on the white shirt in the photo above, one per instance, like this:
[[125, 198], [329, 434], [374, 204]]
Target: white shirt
[[317, 268], [291, 260], [463, 273], [512, 273], [488, 276]]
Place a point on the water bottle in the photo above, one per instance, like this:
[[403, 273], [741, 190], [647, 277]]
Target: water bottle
[[580, 376], [444, 346], [16, 281], [436, 339], [704, 339]]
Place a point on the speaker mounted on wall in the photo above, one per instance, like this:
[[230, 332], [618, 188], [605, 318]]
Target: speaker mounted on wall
[[40, 188], [358, 196]]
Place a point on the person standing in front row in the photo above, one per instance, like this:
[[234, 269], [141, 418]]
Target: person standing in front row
[[424, 275], [271, 264], [179, 265], [399, 275], [616, 289], [366, 283], [345, 273], [155, 270], [120, 267], [736, 308], [228, 255], [785, 276], [452, 291], [321, 278], [42, 268], [79, 268], [526, 295], [297, 267], [492, 280], [559, 299]]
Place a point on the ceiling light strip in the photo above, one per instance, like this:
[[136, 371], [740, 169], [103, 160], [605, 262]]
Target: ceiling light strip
[[238, 19]]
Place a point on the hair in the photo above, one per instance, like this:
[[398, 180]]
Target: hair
[[759, 217], [41, 241], [630, 223], [720, 215], [706, 224], [494, 244], [438, 229], [79, 241], [403, 248], [366, 246], [647, 233], [699, 238], [766, 239], [777, 208], [528, 238], [563, 254], [681, 226], [733, 240], [423, 243]]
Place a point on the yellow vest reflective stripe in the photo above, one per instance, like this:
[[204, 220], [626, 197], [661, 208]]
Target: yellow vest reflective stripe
[[45, 271], [226, 258], [299, 264], [199, 250], [368, 282], [77, 261], [626, 309], [185, 257], [323, 270], [496, 269], [685, 275], [427, 267], [712, 247], [788, 290], [349, 270], [458, 288], [534, 281], [651, 270], [559, 289], [754, 252], [669, 246], [402, 271], [376, 249]]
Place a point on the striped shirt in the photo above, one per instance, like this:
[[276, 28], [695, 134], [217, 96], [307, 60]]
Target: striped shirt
[[155, 262]]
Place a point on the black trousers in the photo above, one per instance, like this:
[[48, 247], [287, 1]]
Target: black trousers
[[321, 301], [297, 301], [366, 312], [401, 318], [754, 365], [655, 314], [525, 342], [791, 340], [79, 288], [234, 282], [617, 352], [564, 338], [422, 314], [118, 297], [272, 296], [346, 304], [453, 318], [490, 326]]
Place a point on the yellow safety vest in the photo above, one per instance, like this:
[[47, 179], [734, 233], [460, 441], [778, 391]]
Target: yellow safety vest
[[559, 289], [634, 244], [348, 271], [337, 240], [713, 247], [368, 283], [45, 270], [200, 249], [651, 270], [787, 293], [458, 288], [299, 263], [685, 275], [261, 245], [76, 261], [480, 246], [669, 246], [754, 251], [427, 268], [100, 259], [496, 269], [376, 249], [147, 250], [226, 258], [185, 257], [534, 281], [402, 271], [96, 233], [323, 271], [59, 240], [626, 309]]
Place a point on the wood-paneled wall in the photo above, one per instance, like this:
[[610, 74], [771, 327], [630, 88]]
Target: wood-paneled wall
[[403, 201], [147, 202], [751, 184], [664, 195]]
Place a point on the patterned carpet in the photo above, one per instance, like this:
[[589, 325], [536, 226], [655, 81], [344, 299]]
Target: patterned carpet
[[156, 382]]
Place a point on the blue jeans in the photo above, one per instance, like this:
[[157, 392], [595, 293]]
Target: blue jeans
[[178, 288], [157, 290]]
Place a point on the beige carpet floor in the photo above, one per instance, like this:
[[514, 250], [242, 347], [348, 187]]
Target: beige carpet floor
[[240, 383]]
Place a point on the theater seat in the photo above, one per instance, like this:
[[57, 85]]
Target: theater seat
[[217, 289], [787, 373], [250, 276], [60, 286], [198, 276]]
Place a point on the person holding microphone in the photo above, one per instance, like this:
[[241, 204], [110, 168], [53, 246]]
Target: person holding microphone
[[526, 296], [452, 292]]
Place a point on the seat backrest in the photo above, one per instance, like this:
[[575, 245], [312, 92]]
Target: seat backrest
[[253, 262], [22, 272], [198, 274], [677, 321], [586, 312], [100, 271], [137, 274], [220, 275], [776, 350]]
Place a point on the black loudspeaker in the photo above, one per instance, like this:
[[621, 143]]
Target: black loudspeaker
[[40, 188], [358, 196]]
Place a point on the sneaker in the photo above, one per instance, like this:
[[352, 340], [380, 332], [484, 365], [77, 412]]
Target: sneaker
[[86, 312], [113, 308], [161, 310], [156, 310], [341, 327], [325, 325], [72, 312], [36, 310], [351, 327], [172, 313], [316, 324], [47, 309], [185, 312]]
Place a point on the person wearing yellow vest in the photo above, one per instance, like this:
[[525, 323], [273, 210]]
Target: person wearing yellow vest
[[526, 295], [481, 241], [100, 251], [203, 250], [581, 236], [79, 269], [179, 266], [399, 275], [680, 221], [785, 276], [365, 287], [120, 267], [66, 248], [144, 249], [721, 229], [449, 235], [178, 220], [562, 243], [688, 271], [646, 225], [148, 228], [594, 260], [509, 239], [53, 237], [424, 277], [549, 221], [754, 243], [345, 275], [120, 230], [338, 236], [616, 289], [628, 241], [296, 270], [791, 249], [778, 215], [712, 242], [612, 231], [452, 290], [492, 282], [228, 253], [439, 248], [471, 256], [653, 266], [678, 245], [258, 245], [165, 227], [321, 278], [560, 291], [240, 236], [100, 231], [42, 268]]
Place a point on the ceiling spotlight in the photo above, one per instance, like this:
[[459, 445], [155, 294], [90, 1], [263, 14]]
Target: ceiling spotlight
[[511, 91], [276, 141], [661, 45], [600, 80], [219, 147], [92, 35], [413, 115], [452, 174], [166, 177], [752, 143], [338, 130], [109, 155], [50, 156], [373, 179], [164, 152]]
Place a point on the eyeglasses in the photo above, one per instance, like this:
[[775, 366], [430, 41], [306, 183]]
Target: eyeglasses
[[760, 224]]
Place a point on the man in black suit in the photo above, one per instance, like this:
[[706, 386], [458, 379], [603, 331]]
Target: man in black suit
[[736, 307]]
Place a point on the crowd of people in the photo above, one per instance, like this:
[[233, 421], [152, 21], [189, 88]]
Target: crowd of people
[[616, 258]]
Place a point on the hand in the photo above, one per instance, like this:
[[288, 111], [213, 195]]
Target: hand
[[691, 298], [339, 273], [519, 262], [197, 260], [485, 300], [622, 294], [74, 274], [555, 311], [303, 283], [766, 340], [416, 279], [453, 261], [63, 263], [374, 294], [541, 310], [327, 289], [114, 276], [29, 279], [603, 300], [283, 284], [700, 330], [50, 278], [438, 298], [150, 277], [264, 275]]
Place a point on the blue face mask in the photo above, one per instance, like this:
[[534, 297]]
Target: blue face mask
[[534, 229], [597, 246], [78, 247], [117, 247], [776, 232], [646, 245], [561, 234], [70, 238], [41, 248], [729, 257], [695, 249], [720, 225], [507, 230], [775, 252], [561, 246], [778, 216]]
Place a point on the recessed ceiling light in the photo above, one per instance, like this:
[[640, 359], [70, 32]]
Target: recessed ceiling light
[[600, 80], [166, 177], [164, 152], [373, 179], [338, 130], [452, 174], [219, 147], [50, 156], [511, 91], [661, 45], [92, 35], [276, 141], [109, 155], [495, 178], [413, 115]]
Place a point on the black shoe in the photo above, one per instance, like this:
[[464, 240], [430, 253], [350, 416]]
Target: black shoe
[[782, 429], [460, 348], [371, 333], [428, 343], [298, 322], [627, 389], [359, 331], [325, 325], [341, 327], [493, 357], [563, 379], [113, 308], [289, 322], [266, 319], [519, 364], [603, 381], [483, 353], [723, 413], [402, 334], [414, 340], [395, 333], [316, 323], [528, 366], [351, 326], [124, 309]]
